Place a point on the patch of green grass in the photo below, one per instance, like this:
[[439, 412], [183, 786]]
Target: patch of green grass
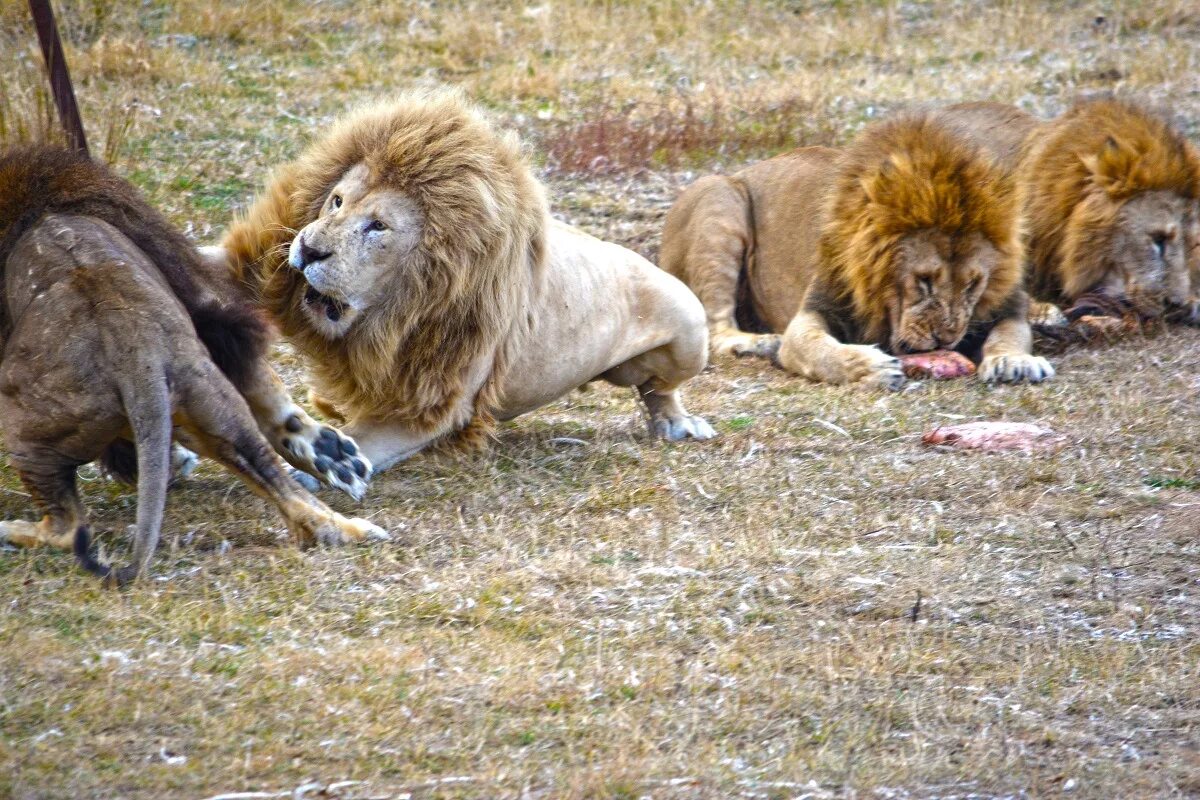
[[1172, 483]]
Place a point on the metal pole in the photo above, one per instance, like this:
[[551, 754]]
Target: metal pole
[[60, 78]]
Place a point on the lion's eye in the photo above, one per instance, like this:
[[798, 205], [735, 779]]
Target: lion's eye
[[1160, 241], [376, 225], [336, 201], [926, 286], [973, 285]]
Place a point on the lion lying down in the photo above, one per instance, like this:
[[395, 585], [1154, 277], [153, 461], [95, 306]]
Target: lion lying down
[[410, 255], [1111, 196], [909, 241], [112, 335]]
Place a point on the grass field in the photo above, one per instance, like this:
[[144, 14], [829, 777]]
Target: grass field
[[813, 605]]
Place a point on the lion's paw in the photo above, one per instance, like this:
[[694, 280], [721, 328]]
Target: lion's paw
[[1047, 315], [870, 366], [183, 461], [1015, 368], [745, 345], [675, 429], [326, 453], [339, 531]]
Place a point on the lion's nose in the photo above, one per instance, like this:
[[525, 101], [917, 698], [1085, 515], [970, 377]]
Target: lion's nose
[[310, 255]]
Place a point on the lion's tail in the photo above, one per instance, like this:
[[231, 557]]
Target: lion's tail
[[149, 410]]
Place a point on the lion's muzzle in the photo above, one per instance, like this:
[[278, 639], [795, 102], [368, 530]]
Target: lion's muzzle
[[332, 309]]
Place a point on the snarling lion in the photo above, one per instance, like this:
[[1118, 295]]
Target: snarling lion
[[113, 337], [1110, 191], [908, 241], [410, 255]]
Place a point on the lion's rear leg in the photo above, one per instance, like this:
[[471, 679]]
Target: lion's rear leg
[[720, 243], [218, 424], [1046, 315], [51, 484], [657, 374]]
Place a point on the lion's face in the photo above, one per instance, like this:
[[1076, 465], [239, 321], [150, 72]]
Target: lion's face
[[355, 251], [939, 281], [1146, 249]]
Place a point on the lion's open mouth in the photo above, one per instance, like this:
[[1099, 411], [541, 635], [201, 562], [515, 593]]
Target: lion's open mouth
[[333, 309]]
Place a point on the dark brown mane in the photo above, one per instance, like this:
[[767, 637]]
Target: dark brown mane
[[36, 180]]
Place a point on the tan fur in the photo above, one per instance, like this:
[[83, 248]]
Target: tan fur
[[828, 249], [470, 304]]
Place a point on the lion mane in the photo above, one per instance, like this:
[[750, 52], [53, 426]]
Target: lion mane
[[1079, 170], [480, 260], [904, 175]]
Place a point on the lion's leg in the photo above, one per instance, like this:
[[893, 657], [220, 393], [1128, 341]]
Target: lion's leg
[[657, 375], [714, 261], [808, 349], [51, 483], [326, 407], [1008, 357], [388, 443], [218, 424], [306, 444]]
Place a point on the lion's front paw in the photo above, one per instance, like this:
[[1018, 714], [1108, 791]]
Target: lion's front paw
[[866, 364], [326, 453], [183, 462], [746, 345], [1047, 316], [674, 429], [1015, 368]]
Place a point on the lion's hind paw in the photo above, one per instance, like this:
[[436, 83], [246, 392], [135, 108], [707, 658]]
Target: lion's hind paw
[[675, 429]]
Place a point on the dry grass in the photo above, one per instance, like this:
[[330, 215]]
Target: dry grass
[[617, 617]]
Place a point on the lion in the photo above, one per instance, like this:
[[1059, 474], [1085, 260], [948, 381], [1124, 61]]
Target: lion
[[834, 262], [108, 337], [1110, 191], [410, 256]]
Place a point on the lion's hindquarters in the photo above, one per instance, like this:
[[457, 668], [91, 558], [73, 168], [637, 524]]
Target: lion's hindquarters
[[707, 238], [607, 313]]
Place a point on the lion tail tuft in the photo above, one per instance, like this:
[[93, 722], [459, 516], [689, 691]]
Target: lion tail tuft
[[86, 556]]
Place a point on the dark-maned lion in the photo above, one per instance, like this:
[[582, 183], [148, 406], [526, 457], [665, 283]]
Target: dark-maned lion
[[110, 333], [410, 255], [1110, 192], [907, 241]]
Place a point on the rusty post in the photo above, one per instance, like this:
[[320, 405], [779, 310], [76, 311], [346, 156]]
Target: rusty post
[[60, 78]]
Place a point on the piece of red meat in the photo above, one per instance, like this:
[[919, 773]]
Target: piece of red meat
[[940, 365], [995, 436]]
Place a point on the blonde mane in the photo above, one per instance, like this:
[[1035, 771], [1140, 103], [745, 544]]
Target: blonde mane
[[480, 259]]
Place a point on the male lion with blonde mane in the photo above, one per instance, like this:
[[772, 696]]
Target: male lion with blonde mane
[[1110, 194], [908, 241], [410, 255]]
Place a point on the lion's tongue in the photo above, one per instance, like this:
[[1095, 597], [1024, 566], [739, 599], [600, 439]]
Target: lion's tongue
[[333, 309]]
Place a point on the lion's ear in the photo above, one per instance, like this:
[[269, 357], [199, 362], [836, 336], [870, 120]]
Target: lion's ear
[[1109, 167], [875, 184]]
